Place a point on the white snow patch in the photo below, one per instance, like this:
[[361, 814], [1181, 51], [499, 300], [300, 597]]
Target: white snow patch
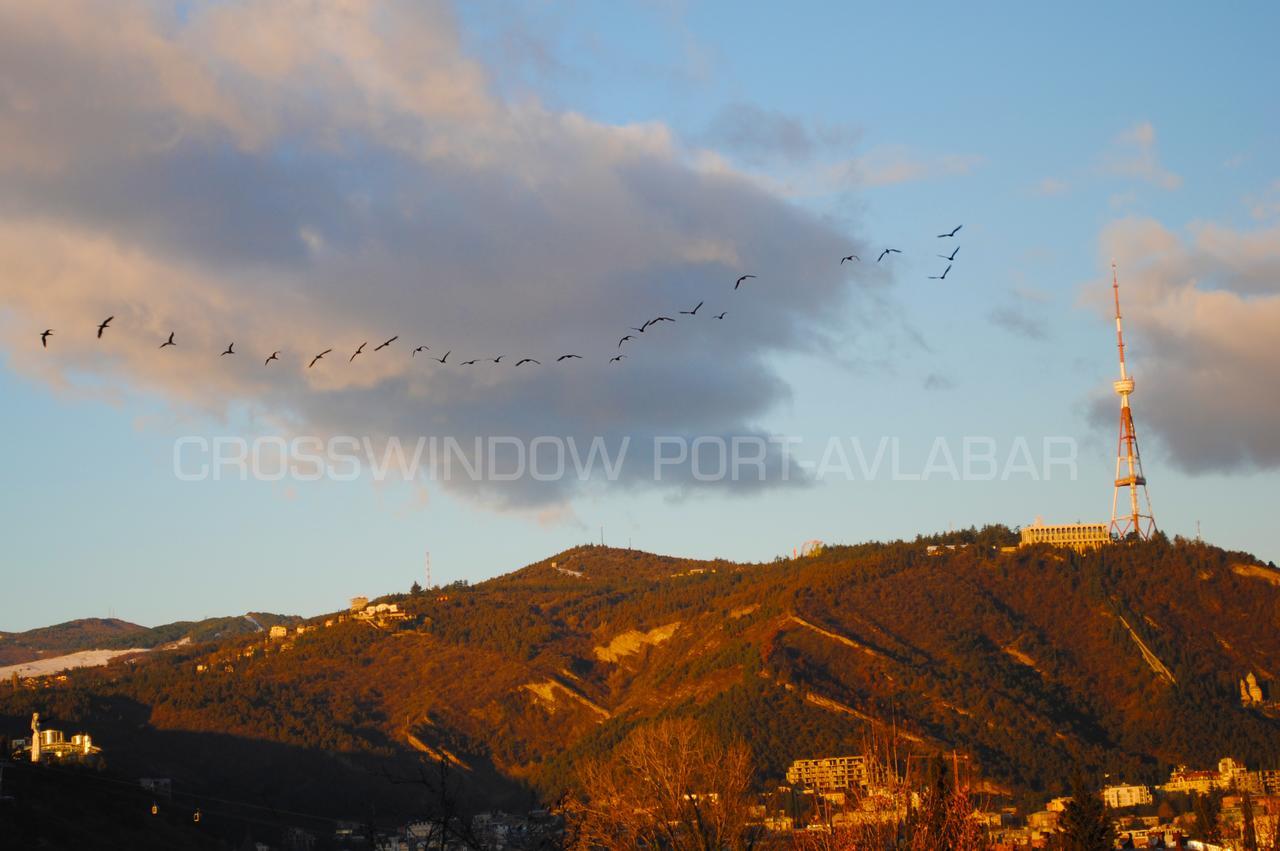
[[58, 664]]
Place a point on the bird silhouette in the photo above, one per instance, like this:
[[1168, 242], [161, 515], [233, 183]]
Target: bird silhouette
[[953, 232], [274, 356], [887, 251], [661, 319], [104, 325], [722, 315], [617, 358], [470, 362], [850, 257], [738, 283], [528, 360], [445, 358], [359, 350], [317, 357], [624, 339], [639, 330], [419, 349], [231, 349], [168, 342], [567, 357], [952, 256], [44, 337], [387, 343], [693, 312], [943, 276], [499, 358]]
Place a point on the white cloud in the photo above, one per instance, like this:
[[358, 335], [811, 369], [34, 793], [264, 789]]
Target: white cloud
[[886, 166], [1134, 155], [1266, 204], [1051, 186], [1201, 313]]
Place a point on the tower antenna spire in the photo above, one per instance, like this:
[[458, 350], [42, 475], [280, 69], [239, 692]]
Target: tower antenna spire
[[1128, 459]]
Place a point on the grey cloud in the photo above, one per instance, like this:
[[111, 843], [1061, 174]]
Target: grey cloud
[[379, 204], [759, 135], [1018, 321], [935, 381]]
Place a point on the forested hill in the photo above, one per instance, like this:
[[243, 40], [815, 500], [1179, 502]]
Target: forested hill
[[116, 634], [1032, 663]]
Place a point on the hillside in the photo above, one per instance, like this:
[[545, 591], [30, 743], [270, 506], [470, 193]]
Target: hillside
[[1029, 663], [69, 637], [115, 634]]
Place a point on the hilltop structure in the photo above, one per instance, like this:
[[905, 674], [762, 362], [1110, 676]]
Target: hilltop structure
[[1129, 473], [1138, 521], [1080, 537]]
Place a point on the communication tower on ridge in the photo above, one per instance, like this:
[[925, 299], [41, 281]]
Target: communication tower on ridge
[[1128, 460]]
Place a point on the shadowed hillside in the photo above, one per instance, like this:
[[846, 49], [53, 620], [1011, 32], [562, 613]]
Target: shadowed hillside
[[1031, 663]]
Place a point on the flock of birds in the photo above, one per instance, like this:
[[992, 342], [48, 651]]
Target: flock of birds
[[614, 358]]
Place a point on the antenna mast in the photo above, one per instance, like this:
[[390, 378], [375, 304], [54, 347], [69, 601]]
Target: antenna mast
[[1128, 459]]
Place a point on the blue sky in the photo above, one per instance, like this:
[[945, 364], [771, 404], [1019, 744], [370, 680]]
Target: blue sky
[[1058, 140]]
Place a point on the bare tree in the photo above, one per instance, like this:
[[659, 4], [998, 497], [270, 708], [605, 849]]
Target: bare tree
[[444, 814], [667, 785]]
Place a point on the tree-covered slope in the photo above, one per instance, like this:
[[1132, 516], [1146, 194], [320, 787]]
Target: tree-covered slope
[[1030, 663]]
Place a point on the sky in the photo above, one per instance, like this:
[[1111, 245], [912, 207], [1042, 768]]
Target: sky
[[534, 179]]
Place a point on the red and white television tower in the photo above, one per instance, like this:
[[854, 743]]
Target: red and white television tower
[[1128, 460]]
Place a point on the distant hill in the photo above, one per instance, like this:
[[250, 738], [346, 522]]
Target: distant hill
[[1028, 664], [83, 634], [115, 634]]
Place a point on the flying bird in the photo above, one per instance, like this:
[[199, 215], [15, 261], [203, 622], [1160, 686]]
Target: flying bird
[[419, 349], [943, 276], [639, 330], [952, 256], [738, 283], [231, 349], [317, 357], [274, 356], [470, 362], [617, 358], [722, 315], [499, 358], [693, 312], [850, 257], [660, 319], [168, 342], [566, 357], [44, 337], [387, 343], [445, 358], [887, 251], [359, 350], [104, 325], [624, 339], [528, 360], [953, 233]]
